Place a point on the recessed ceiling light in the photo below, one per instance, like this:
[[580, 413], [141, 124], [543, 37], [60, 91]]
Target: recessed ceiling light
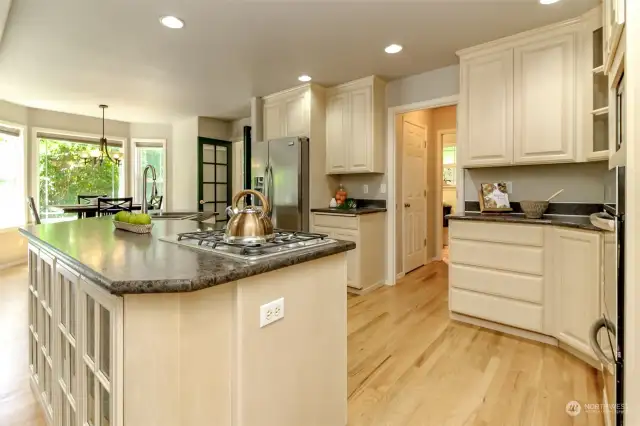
[[549, 1], [393, 48], [171, 22], [304, 78]]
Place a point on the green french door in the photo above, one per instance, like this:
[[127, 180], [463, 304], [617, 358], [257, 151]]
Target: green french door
[[214, 176]]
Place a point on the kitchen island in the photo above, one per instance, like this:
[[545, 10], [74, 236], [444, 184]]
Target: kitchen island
[[128, 329]]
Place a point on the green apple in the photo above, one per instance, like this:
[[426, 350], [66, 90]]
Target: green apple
[[122, 216], [143, 219]]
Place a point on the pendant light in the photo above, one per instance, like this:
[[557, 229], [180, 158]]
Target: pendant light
[[97, 156]]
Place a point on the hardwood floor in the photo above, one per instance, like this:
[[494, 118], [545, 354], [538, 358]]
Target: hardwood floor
[[18, 406], [408, 364]]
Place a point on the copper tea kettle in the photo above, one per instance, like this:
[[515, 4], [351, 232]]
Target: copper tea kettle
[[251, 225]]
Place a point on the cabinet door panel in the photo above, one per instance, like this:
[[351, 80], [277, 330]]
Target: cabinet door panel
[[272, 117], [485, 124], [577, 258], [337, 133], [544, 101], [296, 118], [361, 131], [353, 259]]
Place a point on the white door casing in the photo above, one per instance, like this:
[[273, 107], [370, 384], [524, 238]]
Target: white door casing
[[414, 195]]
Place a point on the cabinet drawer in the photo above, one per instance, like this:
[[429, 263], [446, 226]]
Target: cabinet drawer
[[526, 235], [493, 308], [499, 283], [528, 260], [335, 221]]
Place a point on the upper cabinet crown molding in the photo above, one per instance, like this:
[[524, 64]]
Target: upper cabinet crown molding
[[355, 127]]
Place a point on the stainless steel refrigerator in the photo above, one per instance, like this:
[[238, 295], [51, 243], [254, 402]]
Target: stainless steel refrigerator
[[280, 170]]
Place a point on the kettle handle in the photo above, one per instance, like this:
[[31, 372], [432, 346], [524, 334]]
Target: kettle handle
[[266, 208]]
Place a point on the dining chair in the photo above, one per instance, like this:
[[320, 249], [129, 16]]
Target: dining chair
[[87, 199], [109, 206], [34, 211], [155, 202]]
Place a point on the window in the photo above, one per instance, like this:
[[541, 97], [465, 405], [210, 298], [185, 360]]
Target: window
[[150, 152], [12, 182], [63, 174], [449, 165]]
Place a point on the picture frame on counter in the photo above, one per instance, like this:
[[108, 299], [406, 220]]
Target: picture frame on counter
[[494, 198]]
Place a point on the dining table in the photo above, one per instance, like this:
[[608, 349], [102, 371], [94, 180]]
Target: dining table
[[87, 210]]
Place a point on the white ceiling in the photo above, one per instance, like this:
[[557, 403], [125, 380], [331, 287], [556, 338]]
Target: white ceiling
[[71, 55]]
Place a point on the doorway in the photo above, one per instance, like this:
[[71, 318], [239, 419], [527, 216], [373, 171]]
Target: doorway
[[214, 176], [426, 187]]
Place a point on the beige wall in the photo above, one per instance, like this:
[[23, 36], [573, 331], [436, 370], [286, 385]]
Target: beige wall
[[582, 182], [14, 248], [213, 128], [184, 165], [237, 127]]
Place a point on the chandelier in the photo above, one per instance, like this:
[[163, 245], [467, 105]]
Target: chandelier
[[97, 156]]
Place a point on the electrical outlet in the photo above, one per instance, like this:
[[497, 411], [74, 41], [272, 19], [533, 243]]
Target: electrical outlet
[[383, 188], [271, 312], [509, 187], [365, 189]]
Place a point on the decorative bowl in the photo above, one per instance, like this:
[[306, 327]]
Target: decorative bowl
[[534, 209], [131, 227]]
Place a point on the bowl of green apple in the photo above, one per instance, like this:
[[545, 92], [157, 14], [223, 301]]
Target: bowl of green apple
[[133, 222]]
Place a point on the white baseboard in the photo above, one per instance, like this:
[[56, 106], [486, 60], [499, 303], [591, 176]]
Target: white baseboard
[[12, 264], [400, 275]]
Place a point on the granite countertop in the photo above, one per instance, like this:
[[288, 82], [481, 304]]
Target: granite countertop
[[356, 211], [123, 262], [567, 221]]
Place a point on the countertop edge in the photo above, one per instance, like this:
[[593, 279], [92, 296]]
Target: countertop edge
[[350, 212], [122, 287], [523, 220]]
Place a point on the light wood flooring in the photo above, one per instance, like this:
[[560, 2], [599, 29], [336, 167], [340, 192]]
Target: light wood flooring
[[408, 364]]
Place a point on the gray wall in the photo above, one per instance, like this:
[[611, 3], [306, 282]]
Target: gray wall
[[582, 182]]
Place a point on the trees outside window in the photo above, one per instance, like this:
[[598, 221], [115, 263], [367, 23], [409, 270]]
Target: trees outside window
[[63, 176]]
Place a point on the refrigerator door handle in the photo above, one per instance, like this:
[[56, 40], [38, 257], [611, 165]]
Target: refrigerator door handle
[[593, 340], [271, 189]]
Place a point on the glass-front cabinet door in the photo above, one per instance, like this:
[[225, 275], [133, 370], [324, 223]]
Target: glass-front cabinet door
[[99, 362], [46, 336]]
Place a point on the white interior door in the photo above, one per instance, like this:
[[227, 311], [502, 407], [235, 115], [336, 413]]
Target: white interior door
[[414, 195]]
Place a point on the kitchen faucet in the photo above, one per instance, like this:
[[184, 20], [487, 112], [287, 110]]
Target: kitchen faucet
[[154, 190]]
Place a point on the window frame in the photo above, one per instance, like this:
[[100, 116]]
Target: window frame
[[34, 145], [25, 173], [137, 173]]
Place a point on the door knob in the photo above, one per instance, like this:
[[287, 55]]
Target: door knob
[[407, 205], [201, 201]]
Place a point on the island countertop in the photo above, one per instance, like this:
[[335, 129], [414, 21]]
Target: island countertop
[[567, 221], [127, 263]]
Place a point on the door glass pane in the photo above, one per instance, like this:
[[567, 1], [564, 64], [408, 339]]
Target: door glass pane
[[63, 301], [72, 369], [64, 360], [600, 132], [90, 328], [600, 92], [72, 309], [72, 417], [221, 209], [45, 342], [105, 342], [105, 407], [208, 192], [221, 154], [449, 155], [221, 192], [221, 174], [208, 154], [209, 207], [598, 52], [91, 399], [31, 344], [64, 411], [208, 173]]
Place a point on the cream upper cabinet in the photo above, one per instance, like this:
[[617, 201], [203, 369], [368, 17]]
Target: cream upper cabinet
[[614, 18], [485, 123], [545, 101], [286, 114], [355, 127], [577, 276], [337, 130]]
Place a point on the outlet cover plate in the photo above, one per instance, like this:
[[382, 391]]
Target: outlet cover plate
[[271, 312]]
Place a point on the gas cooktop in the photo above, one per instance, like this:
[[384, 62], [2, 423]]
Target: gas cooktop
[[285, 242]]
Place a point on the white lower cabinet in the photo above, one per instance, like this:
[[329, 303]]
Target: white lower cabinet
[[542, 279], [577, 276], [75, 348], [365, 264]]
